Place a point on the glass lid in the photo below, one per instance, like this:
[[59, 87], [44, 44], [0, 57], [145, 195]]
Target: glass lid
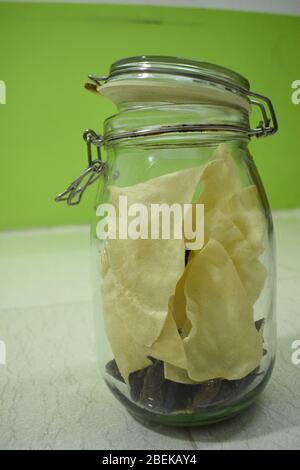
[[178, 66], [148, 81]]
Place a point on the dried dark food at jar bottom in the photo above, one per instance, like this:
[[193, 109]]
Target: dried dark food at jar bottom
[[149, 388]]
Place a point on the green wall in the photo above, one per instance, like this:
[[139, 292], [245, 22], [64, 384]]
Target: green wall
[[46, 52]]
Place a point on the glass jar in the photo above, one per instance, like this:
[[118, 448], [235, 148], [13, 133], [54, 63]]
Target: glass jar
[[186, 331]]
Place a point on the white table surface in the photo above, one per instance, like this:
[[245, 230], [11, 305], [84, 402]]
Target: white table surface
[[51, 394]]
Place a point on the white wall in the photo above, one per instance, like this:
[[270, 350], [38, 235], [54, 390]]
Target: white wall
[[291, 7]]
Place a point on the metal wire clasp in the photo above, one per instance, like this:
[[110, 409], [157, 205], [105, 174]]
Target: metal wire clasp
[[94, 170], [268, 125]]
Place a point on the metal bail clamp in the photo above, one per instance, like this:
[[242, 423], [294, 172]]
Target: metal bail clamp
[[94, 170]]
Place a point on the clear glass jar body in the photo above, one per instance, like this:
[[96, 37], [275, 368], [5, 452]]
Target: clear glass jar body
[[146, 389]]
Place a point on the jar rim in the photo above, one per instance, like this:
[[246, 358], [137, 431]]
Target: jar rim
[[178, 66], [225, 82]]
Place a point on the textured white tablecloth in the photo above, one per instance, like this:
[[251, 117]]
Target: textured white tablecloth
[[51, 395]]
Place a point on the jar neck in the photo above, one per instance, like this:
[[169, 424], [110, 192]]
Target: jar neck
[[138, 116]]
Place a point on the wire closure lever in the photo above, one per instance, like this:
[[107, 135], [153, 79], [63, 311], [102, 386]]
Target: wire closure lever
[[268, 125], [94, 170]]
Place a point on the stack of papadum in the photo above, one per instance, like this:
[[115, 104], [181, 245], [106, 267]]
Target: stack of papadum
[[197, 317]]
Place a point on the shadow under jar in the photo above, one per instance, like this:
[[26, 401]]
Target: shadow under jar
[[186, 335]]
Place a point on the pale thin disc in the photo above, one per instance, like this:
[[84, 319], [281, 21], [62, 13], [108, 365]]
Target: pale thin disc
[[179, 305], [253, 275], [177, 187], [147, 270], [177, 374], [243, 211], [169, 346], [223, 341], [130, 356], [250, 270], [220, 178], [221, 227]]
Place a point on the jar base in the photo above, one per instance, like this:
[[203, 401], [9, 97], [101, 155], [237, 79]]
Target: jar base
[[191, 419]]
